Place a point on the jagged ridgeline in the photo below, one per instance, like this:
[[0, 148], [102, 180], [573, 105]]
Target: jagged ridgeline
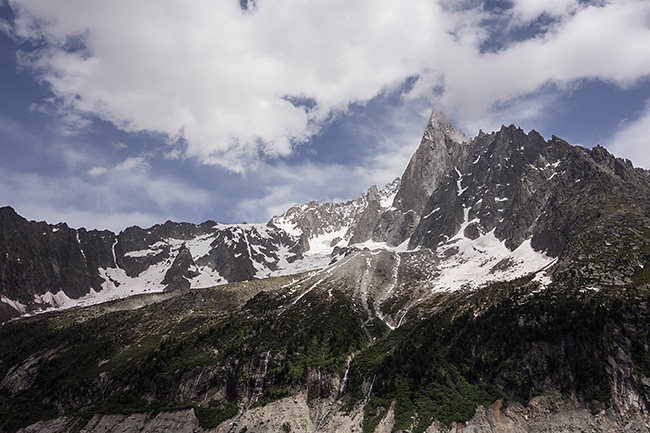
[[502, 284]]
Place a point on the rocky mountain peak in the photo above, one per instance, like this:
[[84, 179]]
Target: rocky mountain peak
[[427, 166], [441, 145]]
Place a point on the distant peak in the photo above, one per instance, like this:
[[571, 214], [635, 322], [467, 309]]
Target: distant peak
[[439, 121], [437, 116], [392, 186], [440, 126]]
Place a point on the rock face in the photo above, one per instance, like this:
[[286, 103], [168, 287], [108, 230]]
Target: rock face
[[36, 258], [427, 169], [517, 184], [543, 415], [325, 226]]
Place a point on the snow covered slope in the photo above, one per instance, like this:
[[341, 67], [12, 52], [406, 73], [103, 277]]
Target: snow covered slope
[[325, 226]]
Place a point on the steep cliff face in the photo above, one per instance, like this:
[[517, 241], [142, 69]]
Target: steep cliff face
[[426, 170], [585, 207], [36, 258], [518, 185]]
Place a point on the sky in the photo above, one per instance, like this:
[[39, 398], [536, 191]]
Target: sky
[[123, 113]]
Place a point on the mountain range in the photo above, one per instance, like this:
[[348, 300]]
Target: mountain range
[[502, 283]]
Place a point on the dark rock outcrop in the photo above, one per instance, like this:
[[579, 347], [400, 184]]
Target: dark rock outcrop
[[36, 257]]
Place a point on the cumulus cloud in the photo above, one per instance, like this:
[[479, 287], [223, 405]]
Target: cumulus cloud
[[222, 77], [236, 87], [530, 10], [573, 49]]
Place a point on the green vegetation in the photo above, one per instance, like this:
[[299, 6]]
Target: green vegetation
[[216, 412], [453, 353], [134, 361], [518, 346], [24, 408], [374, 412]]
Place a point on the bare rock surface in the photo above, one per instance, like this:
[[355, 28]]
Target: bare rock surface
[[545, 415], [542, 415]]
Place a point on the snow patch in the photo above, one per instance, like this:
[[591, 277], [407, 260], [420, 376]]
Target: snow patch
[[323, 244], [467, 263], [543, 278], [374, 245], [431, 213], [14, 304], [387, 201], [466, 222], [141, 253], [388, 193], [151, 251], [200, 246], [461, 190], [80, 248], [308, 290], [58, 300], [207, 277]]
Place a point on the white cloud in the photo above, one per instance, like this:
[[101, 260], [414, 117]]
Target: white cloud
[[97, 171], [594, 42], [135, 163], [72, 122], [217, 79], [530, 10], [631, 140], [221, 76]]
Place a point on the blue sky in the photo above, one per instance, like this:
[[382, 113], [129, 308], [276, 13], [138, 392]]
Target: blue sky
[[131, 113]]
